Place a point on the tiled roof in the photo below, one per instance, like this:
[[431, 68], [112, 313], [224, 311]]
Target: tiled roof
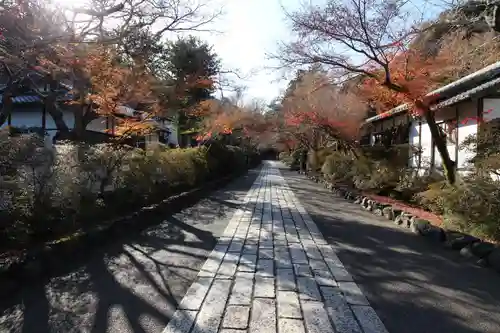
[[24, 99], [398, 109], [474, 92], [34, 99], [469, 86]]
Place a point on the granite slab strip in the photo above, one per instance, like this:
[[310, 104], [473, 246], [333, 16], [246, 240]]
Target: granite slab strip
[[263, 317], [302, 270], [210, 315], [316, 318], [236, 245], [241, 293], [289, 305], [318, 265], [263, 226], [339, 311], [181, 322], [312, 250], [247, 263], [352, 293], [368, 319], [236, 317], [324, 278], [229, 266], [308, 289], [297, 253], [196, 294], [265, 267], [339, 272], [286, 279], [286, 325], [282, 257], [264, 287]]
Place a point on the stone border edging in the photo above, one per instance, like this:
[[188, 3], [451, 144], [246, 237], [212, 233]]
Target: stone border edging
[[40, 262], [484, 254]]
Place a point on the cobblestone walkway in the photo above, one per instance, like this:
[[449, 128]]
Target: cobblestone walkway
[[273, 271]]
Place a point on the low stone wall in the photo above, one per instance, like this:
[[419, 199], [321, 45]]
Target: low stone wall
[[483, 253]]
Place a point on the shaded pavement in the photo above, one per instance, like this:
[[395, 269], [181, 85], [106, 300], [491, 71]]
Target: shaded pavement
[[273, 271], [414, 286], [135, 285], [131, 285]]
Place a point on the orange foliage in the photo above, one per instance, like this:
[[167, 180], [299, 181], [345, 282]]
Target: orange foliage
[[108, 85], [113, 84], [203, 109], [413, 74], [317, 105], [203, 82], [228, 118], [219, 118]]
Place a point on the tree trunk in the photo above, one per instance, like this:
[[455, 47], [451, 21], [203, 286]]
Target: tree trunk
[[50, 106], [79, 125], [449, 165], [354, 153], [7, 107], [303, 161], [312, 161]]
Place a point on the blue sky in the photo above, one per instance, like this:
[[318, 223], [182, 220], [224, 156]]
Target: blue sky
[[250, 29]]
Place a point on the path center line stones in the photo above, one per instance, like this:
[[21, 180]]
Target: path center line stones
[[272, 269]]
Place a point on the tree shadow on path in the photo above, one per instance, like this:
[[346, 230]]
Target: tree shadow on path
[[414, 285], [133, 284]]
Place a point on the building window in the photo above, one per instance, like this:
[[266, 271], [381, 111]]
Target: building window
[[449, 130], [377, 138], [140, 143], [365, 140]]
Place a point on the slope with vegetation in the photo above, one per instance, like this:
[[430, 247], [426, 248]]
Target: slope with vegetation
[[404, 60]]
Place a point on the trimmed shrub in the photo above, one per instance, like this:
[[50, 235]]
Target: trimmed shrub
[[286, 158], [338, 167], [411, 184], [472, 206], [49, 193], [362, 172], [432, 199], [316, 158], [371, 172]]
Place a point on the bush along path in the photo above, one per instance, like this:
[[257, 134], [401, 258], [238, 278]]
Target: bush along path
[[420, 222], [43, 260]]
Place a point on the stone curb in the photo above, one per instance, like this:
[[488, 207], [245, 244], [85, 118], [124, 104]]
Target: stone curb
[[483, 253], [41, 262]]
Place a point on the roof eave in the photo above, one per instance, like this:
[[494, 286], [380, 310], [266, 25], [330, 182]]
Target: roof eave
[[489, 73]]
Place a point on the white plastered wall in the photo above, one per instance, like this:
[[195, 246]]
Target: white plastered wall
[[466, 125]]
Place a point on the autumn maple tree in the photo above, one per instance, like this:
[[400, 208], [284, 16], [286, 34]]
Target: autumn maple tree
[[371, 39], [244, 123], [112, 85], [316, 111], [105, 67]]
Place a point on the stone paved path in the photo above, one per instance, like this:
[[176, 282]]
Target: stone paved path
[[272, 271]]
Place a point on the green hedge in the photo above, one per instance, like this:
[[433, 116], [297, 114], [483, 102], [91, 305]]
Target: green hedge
[[50, 195]]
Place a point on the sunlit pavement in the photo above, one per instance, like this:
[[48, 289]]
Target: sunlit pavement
[[273, 270]]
